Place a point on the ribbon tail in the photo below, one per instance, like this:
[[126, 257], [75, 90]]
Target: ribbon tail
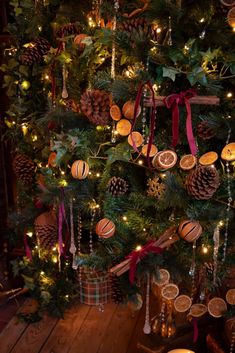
[[60, 229], [189, 129], [133, 264], [195, 330], [175, 124], [27, 248]]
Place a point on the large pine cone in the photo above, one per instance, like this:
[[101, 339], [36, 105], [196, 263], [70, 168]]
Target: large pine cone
[[95, 104], [67, 30], [46, 230], [115, 289], [35, 51], [139, 27], [202, 182], [24, 168], [117, 186], [205, 131]]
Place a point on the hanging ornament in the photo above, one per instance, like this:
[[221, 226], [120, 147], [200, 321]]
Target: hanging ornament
[[123, 127], [168, 37], [217, 307], [189, 230], [80, 169], [72, 248], [79, 237], [64, 93], [155, 188], [164, 160], [105, 228], [228, 151], [147, 327], [209, 158], [135, 139], [188, 162], [216, 239], [129, 108], [182, 303]]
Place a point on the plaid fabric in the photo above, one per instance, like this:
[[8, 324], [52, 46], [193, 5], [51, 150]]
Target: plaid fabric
[[95, 288]]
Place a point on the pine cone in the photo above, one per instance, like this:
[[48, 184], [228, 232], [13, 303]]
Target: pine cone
[[67, 30], [117, 186], [140, 27], [202, 182], [95, 104], [205, 131], [35, 51], [46, 230], [115, 289], [24, 168]]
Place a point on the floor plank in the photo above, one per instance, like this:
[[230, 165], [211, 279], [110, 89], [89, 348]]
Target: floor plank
[[119, 331], [11, 334], [92, 332], [66, 330], [35, 335]]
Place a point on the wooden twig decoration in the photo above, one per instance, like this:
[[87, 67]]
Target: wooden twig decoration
[[200, 100], [168, 238], [138, 11]]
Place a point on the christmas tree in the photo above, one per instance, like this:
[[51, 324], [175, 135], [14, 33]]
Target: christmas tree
[[122, 128]]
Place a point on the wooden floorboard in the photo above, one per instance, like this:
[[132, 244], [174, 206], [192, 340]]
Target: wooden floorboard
[[92, 332], [35, 335], [66, 330], [119, 331], [11, 334]]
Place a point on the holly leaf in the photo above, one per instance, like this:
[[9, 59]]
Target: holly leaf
[[119, 153], [169, 72], [197, 75]]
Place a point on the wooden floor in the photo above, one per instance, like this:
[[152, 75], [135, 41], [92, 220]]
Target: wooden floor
[[84, 329]]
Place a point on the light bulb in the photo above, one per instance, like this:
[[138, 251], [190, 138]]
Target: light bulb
[[30, 234], [138, 248], [124, 218], [140, 162], [205, 249], [229, 95]]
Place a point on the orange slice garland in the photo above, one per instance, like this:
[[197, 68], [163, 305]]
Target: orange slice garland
[[166, 159], [152, 152], [123, 127], [188, 161], [208, 158], [231, 17], [216, 307], [129, 108], [170, 291], [115, 112], [164, 277], [230, 296], [228, 152], [135, 137], [197, 310], [182, 303]]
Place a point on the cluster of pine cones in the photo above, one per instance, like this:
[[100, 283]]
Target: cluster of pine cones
[[35, 51]]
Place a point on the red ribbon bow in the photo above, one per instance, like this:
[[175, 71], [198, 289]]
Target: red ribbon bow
[[173, 101], [137, 255]]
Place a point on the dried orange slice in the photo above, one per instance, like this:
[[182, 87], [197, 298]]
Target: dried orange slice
[[135, 137], [188, 161], [228, 152], [230, 296], [182, 303], [228, 3], [115, 112], [216, 307], [208, 158], [197, 310], [166, 159], [152, 152], [231, 17], [170, 291], [129, 108], [163, 279], [123, 127]]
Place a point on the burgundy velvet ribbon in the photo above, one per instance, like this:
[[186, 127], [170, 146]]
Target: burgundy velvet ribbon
[[152, 117], [137, 255], [27, 248], [61, 219], [173, 101], [195, 330]]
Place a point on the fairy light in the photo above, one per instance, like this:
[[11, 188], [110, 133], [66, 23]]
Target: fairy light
[[63, 183], [229, 95], [140, 162], [54, 249], [221, 223], [144, 229], [98, 175], [30, 234], [25, 85], [202, 20], [42, 273], [138, 248], [124, 218], [186, 48], [54, 259], [205, 249], [89, 173], [34, 138], [40, 28], [24, 129], [67, 296], [47, 77], [62, 172], [158, 30]]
